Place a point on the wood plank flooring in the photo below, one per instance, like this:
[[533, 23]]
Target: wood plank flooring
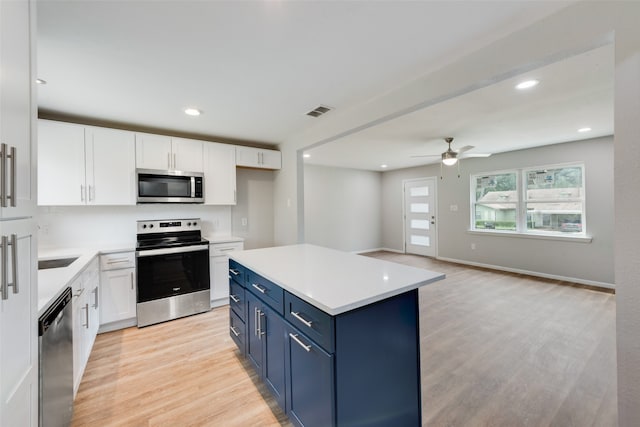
[[498, 349]]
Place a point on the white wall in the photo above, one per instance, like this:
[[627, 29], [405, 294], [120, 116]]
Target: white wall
[[580, 26], [254, 203], [586, 262], [101, 226], [342, 208]]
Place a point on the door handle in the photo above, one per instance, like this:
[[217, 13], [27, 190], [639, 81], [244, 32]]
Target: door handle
[[12, 176], [4, 289], [95, 291], [234, 298], [14, 262], [296, 339], [236, 333], [131, 280], [86, 312]]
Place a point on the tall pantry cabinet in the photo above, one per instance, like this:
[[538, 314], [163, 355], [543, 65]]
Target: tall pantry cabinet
[[18, 250]]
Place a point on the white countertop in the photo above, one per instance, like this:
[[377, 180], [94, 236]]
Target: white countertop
[[223, 239], [331, 280], [53, 281]]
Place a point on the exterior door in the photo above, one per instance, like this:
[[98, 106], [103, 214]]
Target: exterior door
[[420, 216]]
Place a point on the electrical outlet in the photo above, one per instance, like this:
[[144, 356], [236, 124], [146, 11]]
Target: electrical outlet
[[453, 208], [244, 222], [473, 246]]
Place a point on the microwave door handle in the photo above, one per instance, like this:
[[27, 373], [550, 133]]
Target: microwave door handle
[[193, 186]]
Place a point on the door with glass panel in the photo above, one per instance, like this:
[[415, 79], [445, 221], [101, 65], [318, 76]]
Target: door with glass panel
[[420, 216]]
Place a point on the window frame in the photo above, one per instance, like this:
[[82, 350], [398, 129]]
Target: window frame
[[521, 202]]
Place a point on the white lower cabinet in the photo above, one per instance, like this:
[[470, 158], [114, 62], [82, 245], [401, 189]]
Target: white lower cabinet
[[85, 304], [219, 267], [117, 291]]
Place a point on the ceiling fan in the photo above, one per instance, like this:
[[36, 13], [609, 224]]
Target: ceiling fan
[[450, 157]]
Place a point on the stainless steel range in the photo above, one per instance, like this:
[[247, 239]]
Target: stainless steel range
[[172, 267]]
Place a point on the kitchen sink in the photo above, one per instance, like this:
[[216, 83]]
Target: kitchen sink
[[55, 263]]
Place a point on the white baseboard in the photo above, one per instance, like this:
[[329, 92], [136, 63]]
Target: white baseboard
[[120, 324], [365, 251], [220, 302], [531, 273]]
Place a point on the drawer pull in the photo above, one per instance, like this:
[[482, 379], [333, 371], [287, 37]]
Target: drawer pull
[[300, 318], [296, 339], [117, 261], [226, 249], [236, 333], [234, 272], [259, 288], [234, 298]]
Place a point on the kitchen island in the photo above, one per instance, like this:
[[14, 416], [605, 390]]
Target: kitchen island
[[334, 336]]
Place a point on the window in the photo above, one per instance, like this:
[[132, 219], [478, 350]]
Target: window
[[496, 201], [550, 200]]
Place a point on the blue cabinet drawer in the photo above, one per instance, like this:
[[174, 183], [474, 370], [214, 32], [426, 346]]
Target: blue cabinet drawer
[[315, 323], [267, 291], [237, 299], [237, 331], [237, 272]]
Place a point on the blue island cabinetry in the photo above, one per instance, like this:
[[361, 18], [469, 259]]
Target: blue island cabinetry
[[360, 367]]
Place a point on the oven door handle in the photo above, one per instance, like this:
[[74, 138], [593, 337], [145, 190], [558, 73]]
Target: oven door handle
[[166, 251]]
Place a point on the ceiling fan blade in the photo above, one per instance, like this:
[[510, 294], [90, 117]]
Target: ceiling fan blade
[[469, 155], [428, 155], [465, 148]]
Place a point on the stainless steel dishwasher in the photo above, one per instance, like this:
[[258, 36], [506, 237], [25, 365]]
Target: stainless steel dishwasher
[[55, 339]]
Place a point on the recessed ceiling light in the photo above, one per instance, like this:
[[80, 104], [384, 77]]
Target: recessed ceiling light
[[41, 82], [584, 130], [192, 111], [527, 84], [383, 166], [306, 155]]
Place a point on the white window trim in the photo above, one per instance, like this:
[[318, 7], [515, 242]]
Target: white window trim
[[521, 203]]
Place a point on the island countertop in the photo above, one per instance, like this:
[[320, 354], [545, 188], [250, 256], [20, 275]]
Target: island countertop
[[332, 280]]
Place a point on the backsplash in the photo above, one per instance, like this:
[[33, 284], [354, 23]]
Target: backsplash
[[74, 226]]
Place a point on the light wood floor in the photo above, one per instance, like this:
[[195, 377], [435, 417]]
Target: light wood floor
[[497, 349]]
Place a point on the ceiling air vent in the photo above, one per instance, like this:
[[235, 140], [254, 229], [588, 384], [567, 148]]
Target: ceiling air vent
[[318, 111]]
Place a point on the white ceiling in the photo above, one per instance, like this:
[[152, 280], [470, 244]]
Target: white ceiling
[[572, 94], [256, 67]]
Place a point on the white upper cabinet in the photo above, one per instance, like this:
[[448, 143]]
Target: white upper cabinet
[[168, 153], [153, 151], [85, 165], [61, 165], [258, 158], [187, 155], [219, 174], [17, 107], [111, 166]]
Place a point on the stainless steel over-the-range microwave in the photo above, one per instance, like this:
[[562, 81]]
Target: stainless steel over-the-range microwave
[[169, 186]]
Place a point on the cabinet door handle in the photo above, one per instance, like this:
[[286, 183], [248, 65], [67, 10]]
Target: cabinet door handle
[[132, 280], [234, 272], [12, 176], [3, 265], [261, 289], [236, 333], [92, 192], [225, 250], [3, 176], [14, 263], [260, 331], [86, 312], [95, 291], [255, 321], [168, 160], [79, 293], [117, 261], [302, 319], [174, 160], [234, 298], [296, 339], [81, 193]]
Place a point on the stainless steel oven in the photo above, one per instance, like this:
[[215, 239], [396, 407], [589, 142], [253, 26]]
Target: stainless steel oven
[[172, 267]]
